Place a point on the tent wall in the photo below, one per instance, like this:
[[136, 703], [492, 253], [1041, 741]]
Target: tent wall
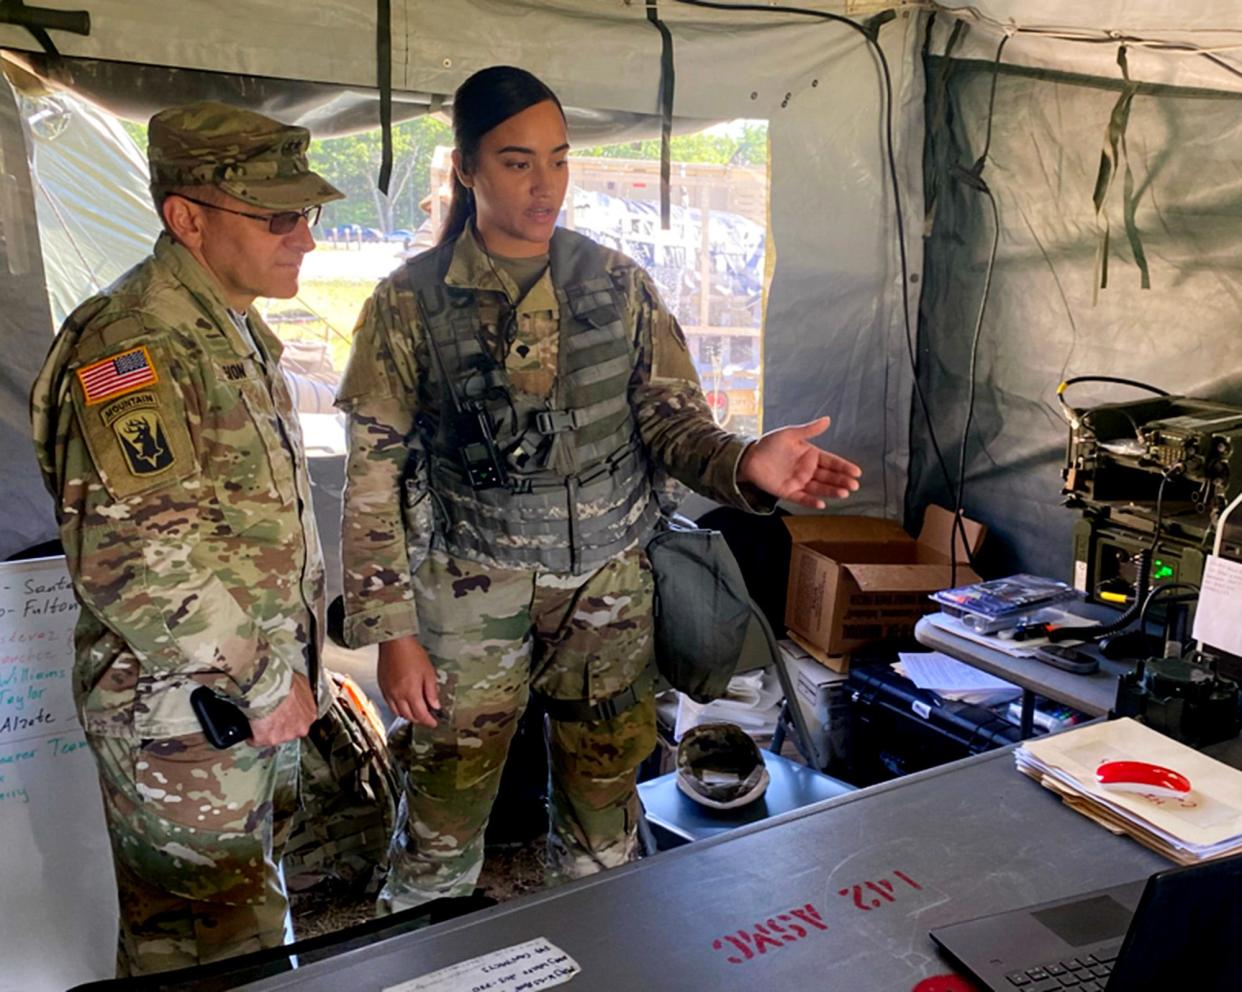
[[835, 335], [834, 327], [1046, 318], [24, 320], [834, 316]]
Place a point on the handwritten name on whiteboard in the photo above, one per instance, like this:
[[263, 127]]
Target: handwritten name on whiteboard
[[37, 614], [537, 964]]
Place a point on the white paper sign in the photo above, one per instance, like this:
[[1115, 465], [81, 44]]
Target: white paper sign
[[537, 964], [58, 897], [1218, 617]]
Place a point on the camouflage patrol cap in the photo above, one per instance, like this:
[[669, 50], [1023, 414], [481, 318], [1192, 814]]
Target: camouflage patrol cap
[[719, 765], [246, 155]]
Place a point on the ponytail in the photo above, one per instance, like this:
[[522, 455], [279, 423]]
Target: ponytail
[[460, 212]]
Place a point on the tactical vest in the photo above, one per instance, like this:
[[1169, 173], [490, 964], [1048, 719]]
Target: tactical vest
[[579, 489]]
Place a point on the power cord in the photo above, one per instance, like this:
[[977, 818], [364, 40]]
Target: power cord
[[1075, 416], [974, 178], [1157, 592], [1138, 606]]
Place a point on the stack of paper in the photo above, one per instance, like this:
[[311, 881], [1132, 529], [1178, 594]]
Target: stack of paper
[[752, 701], [1204, 823], [953, 679]]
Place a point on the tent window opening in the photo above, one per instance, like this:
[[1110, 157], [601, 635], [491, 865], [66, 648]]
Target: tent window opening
[[709, 265]]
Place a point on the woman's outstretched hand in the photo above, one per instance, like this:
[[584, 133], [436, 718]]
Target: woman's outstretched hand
[[787, 465]]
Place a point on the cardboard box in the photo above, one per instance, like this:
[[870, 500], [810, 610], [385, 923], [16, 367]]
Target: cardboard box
[[856, 580], [823, 697], [815, 686], [837, 662]]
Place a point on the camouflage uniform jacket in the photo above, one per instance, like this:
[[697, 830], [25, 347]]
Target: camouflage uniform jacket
[[388, 524], [172, 450]]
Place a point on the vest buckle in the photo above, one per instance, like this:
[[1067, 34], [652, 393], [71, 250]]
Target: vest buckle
[[556, 421]]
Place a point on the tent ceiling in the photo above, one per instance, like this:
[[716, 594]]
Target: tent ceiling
[[594, 53]]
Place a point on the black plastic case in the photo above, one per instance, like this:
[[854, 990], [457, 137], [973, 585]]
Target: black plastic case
[[897, 728]]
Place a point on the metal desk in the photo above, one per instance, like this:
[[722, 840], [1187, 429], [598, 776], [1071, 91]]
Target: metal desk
[[1092, 694], [791, 786], [878, 868]]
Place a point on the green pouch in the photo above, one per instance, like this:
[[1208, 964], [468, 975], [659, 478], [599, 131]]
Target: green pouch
[[702, 608]]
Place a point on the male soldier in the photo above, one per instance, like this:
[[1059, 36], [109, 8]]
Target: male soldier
[[168, 440]]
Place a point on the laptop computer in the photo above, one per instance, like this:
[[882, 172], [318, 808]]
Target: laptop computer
[[1179, 930]]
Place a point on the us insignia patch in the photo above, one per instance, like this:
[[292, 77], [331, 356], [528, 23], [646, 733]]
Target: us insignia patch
[[119, 374], [144, 442]]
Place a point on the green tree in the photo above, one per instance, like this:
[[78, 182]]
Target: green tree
[[747, 144], [136, 131], [352, 164]]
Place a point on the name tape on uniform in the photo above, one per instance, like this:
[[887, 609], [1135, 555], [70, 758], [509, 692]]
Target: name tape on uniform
[[537, 964]]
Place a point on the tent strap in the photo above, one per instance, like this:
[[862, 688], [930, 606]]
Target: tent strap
[[383, 62], [667, 79], [38, 20], [1113, 152]]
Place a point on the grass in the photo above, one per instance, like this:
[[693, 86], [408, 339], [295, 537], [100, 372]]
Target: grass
[[334, 303]]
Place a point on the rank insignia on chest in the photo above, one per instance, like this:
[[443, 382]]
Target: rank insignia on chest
[[116, 375]]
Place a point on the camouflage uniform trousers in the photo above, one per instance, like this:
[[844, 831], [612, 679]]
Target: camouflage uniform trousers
[[197, 835], [493, 635]]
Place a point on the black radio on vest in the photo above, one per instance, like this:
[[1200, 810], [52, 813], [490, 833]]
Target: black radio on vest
[[480, 459]]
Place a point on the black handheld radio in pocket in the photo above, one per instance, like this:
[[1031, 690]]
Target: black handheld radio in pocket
[[223, 723], [481, 460]]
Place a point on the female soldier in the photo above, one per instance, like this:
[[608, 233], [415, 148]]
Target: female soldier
[[517, 398]]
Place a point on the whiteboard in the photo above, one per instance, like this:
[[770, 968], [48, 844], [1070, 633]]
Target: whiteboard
[[57, 896]]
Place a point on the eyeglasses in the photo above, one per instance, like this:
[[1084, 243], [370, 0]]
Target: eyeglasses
[[281, 223]]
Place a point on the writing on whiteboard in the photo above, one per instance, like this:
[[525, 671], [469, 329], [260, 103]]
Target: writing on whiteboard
[[58, 899], [37, 613]]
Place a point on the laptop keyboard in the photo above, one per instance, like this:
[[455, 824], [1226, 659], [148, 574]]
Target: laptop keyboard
[[1088, 973]]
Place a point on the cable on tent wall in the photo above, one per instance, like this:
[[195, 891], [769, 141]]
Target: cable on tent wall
[[870, 32], [973, 177], [1210, 53], [667, 85]]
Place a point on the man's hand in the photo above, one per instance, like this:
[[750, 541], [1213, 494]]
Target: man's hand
[[407, 680], [290, 720], [784, 463]]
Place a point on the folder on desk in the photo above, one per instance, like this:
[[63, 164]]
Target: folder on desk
[[1203, 822]]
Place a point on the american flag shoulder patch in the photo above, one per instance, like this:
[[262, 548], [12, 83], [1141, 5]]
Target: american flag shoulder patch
[[117, 374]]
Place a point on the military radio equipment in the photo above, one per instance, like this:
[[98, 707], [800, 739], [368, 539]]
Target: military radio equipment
[[1182, 698], [480, 458], [481, 461], [1120, 454], [1152, 474]]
